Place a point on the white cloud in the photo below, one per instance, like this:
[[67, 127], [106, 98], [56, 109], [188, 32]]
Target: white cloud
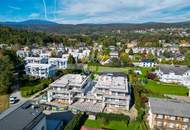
[[14, 7], [107, 11], [34, 15]]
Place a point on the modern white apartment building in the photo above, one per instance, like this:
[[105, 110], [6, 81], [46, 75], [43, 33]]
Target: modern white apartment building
[[60, 63], [44, 65], [40, 70], [111, 90], [36, 60], [68, 89]]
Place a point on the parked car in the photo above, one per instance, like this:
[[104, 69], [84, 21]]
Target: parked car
[[12, 100]]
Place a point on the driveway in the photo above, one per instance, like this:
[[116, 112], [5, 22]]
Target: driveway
[[21, 99]]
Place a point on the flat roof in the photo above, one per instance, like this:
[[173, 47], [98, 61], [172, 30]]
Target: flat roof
[[55, 59], [20, 117], [32, 58], [88, 106], [169, 107], [113, 81], [70, 79], [38, 65]]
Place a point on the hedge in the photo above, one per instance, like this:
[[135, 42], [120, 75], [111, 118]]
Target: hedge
[[30, 90], [76, 122], [111, 117]]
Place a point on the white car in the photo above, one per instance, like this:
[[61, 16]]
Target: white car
[[12, 99]]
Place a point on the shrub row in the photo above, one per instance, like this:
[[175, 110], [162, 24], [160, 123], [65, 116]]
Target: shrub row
[[115, 117], [28, 91], [76, 122]]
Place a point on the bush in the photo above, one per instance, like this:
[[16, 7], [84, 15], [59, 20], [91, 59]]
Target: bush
[[77, 121], [110, 116], [33, 88], [151, 76], [140, 116]]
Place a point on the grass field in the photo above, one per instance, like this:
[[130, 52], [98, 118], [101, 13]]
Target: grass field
[[165, 88], [109, 69], [113, 125], [4, 102]]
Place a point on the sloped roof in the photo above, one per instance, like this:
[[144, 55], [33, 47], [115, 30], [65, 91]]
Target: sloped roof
[[169, 107], [178, 70]]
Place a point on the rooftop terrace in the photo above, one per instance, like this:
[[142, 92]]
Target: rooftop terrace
[[70, 79], [112, 81]]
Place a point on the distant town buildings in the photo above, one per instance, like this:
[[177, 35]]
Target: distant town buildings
[[147, 63]]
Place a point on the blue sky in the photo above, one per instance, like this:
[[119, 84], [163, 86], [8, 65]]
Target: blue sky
[[96, 11]]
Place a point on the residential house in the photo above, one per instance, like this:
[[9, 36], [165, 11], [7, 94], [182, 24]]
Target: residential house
[[114, 54], [174, 74], [147, 63], [168, 114]]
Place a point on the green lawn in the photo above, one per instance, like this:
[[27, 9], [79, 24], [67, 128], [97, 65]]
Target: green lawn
[[114, 125], [165, 88], [4, 102], [109, 69]]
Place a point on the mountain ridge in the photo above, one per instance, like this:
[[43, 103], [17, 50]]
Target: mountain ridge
[[86, 28]]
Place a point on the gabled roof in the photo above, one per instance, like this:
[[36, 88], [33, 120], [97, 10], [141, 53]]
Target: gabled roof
[[169, 107], [178, 70]]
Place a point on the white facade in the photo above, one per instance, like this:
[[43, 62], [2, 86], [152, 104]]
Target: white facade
[[146, 64], [44, 66], [60, 63], [40, 70], [79, 53], [68, 88], [111, 90], [23, 53], [181, 74]]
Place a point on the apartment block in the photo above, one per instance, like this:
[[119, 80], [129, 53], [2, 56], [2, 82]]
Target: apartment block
[[40, 70], [111, 90], [60, 63], [68, 89], [168, 114]]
